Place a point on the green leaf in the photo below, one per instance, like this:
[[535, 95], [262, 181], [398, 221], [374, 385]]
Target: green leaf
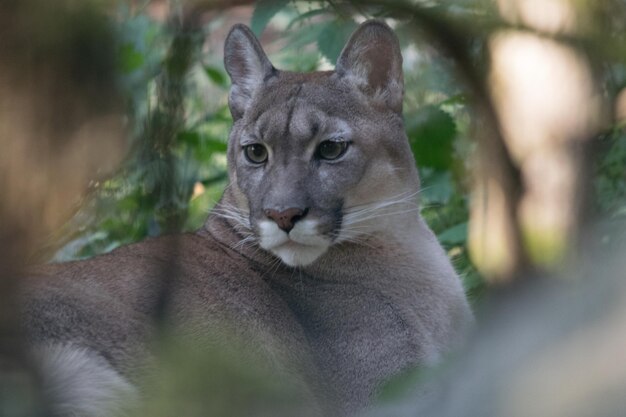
[[205, 144], [431, 132], [189, 138], [333, 36], [130, 58], [455, 235], [215, 75], [305, 60], [437, 187], [207, 182], [264, 11], [455, 100], [304, 35], [307, 15], [214, 145]]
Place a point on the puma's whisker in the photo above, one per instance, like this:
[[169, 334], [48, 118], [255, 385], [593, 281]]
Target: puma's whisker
[[246, 241], [362, 217], [397, 199], [229, 212]]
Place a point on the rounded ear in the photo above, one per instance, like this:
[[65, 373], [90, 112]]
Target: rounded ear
[[247, 65], [372, 61]]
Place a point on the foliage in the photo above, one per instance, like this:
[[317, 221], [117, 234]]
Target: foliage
[[609, 181]]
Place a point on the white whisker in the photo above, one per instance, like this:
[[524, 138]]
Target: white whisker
[[240, 218], [246, 241], [357, 220], [400, 198]]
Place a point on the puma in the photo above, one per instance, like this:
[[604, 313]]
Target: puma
[[316, 254]]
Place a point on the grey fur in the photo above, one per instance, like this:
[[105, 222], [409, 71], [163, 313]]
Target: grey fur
[[370, 294]]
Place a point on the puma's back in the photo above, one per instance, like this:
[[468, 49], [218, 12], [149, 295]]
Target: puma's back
[[316, 253]]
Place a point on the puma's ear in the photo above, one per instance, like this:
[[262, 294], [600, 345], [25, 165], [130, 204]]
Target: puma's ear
[[247, 65], [372, 61]]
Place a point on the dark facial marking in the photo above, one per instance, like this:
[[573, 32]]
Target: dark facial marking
[[315, 127], [292, 99]]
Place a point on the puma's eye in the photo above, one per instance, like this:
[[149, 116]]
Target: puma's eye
[[331, 149], [255, 153]]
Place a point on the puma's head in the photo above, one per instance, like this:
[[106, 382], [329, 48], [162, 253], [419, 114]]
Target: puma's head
[[320, 158]]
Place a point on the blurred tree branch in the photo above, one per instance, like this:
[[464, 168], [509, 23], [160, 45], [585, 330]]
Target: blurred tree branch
[[60, 126]]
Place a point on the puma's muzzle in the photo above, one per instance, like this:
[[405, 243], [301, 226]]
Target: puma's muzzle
[[300, 245]]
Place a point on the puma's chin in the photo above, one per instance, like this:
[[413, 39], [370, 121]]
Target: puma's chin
[[295, 254], [301, 247]]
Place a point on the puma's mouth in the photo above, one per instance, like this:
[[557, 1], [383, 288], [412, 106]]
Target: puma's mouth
[[300, 247], [296, 254]]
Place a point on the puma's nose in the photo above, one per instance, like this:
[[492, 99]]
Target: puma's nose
[[287, 218]]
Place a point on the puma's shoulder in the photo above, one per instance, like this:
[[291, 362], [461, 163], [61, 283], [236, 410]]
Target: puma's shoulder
[[132, 275]]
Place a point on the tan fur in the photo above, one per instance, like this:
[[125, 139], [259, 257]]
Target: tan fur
[[377, 296]]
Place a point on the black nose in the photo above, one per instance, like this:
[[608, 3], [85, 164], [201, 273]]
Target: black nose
[[287, 218]]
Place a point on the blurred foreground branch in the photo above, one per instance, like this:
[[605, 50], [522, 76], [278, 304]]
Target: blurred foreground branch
[[60, 127]]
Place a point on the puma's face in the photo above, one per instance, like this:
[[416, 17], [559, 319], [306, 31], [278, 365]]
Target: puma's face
[[315, 158], [295, 161]]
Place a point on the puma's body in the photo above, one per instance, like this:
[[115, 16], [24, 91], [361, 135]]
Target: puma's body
[[316, 252]]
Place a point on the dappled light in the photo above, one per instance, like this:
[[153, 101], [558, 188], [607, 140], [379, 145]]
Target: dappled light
[[548, 16], [546, 100]]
